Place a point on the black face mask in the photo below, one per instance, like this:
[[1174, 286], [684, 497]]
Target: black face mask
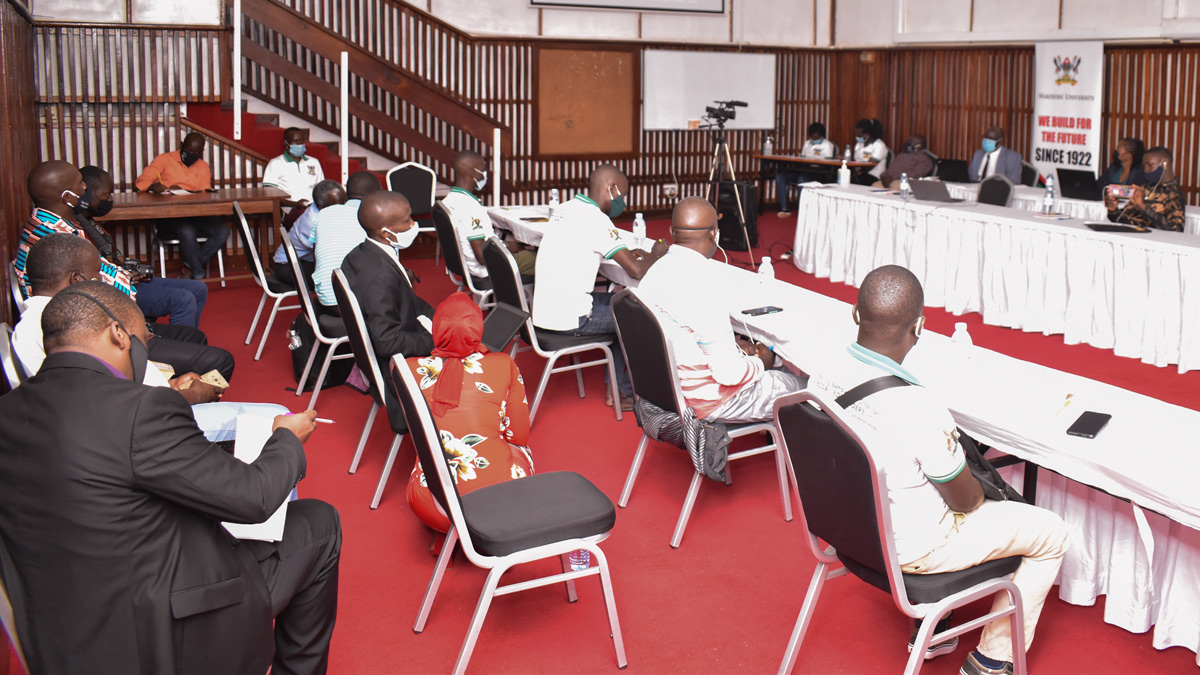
[[188, 158], [100, 209], [82, 202], [1155, 176]]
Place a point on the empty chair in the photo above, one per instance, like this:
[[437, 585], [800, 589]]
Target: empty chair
[[162, 256], [1029, 174], [456, 265], [418, 184], [844, 502], [272, 286], [506, 284], [652, 368], [364, 356], [996, 190], [503, 525], [329, 330]]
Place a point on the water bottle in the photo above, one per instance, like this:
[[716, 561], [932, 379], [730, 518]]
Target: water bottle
[[961, 336], [844, 175], [580, 559], [1048, 199], [639, 230], [766, 270], [905, 188], [848, 155], [553, 200], [769, 146]]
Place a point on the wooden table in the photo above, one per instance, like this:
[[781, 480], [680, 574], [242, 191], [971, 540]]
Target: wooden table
[[768, 162]]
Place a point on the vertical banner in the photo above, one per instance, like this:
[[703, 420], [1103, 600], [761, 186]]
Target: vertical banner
[[1068, 85]]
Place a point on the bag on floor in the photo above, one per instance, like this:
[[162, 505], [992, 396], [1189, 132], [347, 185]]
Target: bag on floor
[[302, 342]]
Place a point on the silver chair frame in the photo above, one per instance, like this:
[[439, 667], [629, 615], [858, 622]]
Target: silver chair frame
[[260, 278]]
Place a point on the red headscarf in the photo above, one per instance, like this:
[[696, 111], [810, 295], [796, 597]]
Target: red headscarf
[[457, 330]]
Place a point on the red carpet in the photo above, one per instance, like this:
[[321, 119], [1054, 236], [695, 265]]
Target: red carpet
[[726, 601]]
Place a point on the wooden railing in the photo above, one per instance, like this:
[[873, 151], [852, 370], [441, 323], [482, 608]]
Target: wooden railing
[[233, 164]]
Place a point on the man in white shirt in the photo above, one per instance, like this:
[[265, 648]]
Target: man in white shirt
[[994, 157], [940, 519], [303, 232], [337, 232], [816, 147], [295, 173], [723, 378], [581, 235], [472, 224]]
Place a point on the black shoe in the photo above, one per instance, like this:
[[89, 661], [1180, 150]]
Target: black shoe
[[973, 667], [937, 648]]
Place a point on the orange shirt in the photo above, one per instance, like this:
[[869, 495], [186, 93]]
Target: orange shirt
[[169, 170]]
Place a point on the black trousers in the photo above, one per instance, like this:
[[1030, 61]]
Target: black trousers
[[186, 349], [301, 572], [284, 272]]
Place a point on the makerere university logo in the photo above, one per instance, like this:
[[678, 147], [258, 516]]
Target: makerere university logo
[[1066, 70]]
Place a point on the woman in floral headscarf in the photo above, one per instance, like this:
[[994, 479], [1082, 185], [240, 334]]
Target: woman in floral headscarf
[[478, 402]]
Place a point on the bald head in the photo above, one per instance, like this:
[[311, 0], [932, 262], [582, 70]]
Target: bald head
[[606, 182], [385, 210], [194, 143], [694, 226], [49, 180], [58, 260], [362, 183], [890, 303]]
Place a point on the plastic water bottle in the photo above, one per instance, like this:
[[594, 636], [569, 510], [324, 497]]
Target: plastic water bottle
[[766, 270], [848, 155], [844, 174], [961, 336], [639, 230], [553, 200], [769, 146], [1048, 199], [580, 559], [905, 188]]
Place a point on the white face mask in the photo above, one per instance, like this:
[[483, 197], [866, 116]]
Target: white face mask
[[481, 181], [403, 239]]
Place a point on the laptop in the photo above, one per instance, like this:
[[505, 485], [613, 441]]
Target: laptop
[[1076, 184], [953, 170], [931, 191]]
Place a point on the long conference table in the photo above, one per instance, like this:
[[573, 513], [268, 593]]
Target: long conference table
[[1136, 294], [1139, 544]]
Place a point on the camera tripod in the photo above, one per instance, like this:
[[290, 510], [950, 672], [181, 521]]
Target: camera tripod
[[722, 162]]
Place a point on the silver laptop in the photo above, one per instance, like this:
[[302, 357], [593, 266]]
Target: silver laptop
[[931, 191]]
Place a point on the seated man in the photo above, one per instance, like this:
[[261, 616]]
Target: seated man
[[816, 147], [303, 232], [336, 233], [1158, 202], [940, 519], [580, 236], [472, 224], [185, 170], [57, 190], [995, 158], [182, 300], [60, 260], [914, 161], [723, 378], [294, 173], [128, 569]]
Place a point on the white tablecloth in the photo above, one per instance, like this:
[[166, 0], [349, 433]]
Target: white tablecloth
[[1030, 199], [1137, 294]]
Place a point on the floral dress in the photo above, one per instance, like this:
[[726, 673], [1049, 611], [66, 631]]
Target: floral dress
[[485, 436]]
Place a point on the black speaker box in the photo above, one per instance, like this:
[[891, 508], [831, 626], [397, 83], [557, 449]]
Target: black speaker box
[[731, 236]]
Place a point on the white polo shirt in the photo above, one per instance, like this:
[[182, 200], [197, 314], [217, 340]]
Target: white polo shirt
[[471, 223], [873, 152], [578, 237], [912, 437], [822, 149], [295, 177]]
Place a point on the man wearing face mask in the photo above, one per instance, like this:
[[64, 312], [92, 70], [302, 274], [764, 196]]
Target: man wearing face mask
[[336, 233], [295, 173], [130, 546], [994, 157], [1158, 202], [389, 305], [472, 224], [724, 378], [914, 161], [581, 235], [185, 170]]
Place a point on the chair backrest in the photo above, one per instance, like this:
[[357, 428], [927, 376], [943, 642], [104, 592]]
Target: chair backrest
[[417, 182], [301, 284], [356, 331], [953, 170], [11, 379], [1029, 174], [506, 283], [936, 162], [14, 285], [842, 492], [252, 259], [997, 190], [648, 352], [449, 242]]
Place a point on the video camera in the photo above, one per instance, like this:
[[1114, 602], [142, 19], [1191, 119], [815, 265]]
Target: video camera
[[724, 111]]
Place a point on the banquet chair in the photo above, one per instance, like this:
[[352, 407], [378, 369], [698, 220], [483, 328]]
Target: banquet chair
[[418, 184], [506, 284], [273, 287], [456, 263], [364, 356], [996, 190], [162, 256], [328, 329], [844, 502], [500, 526], [936, 161], [1029, 174], [14, 286], [651, 359]]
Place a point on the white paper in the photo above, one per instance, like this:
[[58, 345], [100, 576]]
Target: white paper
[[180, 191], [252, 434], [425, 322]]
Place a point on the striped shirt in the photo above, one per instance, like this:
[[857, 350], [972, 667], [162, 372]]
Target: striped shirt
[[336, 234], [43, 223]]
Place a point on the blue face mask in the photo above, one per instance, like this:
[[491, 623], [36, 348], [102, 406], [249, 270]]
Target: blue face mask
[[297, 151], [861, 139], [989, 145]]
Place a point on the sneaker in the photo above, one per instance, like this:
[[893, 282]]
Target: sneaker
[[937, 648], [785, 214], [973, 667]]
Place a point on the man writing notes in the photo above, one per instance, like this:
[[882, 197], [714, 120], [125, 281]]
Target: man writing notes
[[994, 157], [295, 173], [723, 379], [940, 520], [185, 170], [115, 558], [472, 224], [581, 235]]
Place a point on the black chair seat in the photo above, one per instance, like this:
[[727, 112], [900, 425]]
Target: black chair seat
[[541, 509], [482, 283], [552, 341], [331, 326], [924, 588], [277, 285]]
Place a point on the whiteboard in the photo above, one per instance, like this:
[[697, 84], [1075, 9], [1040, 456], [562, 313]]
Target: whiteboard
[[677, 86]]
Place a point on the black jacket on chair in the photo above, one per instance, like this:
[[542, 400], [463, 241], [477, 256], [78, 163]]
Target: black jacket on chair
[[110, 508]]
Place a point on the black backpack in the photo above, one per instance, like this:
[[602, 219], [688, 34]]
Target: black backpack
[[302, 341]]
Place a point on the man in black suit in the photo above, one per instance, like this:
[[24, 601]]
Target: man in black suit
[[110, 503]]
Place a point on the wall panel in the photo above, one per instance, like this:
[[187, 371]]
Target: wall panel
[[19, 152]]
